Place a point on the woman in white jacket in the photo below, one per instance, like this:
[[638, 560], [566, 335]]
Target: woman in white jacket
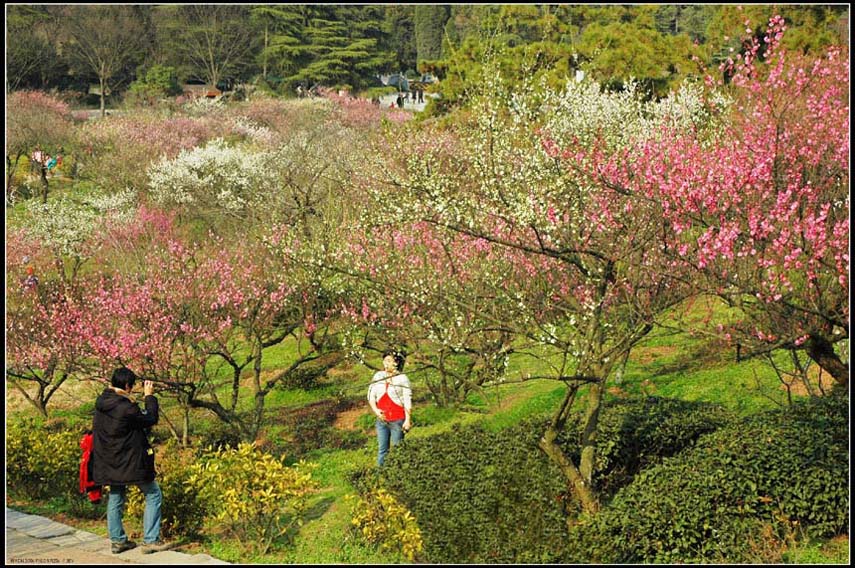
[[389, 396]]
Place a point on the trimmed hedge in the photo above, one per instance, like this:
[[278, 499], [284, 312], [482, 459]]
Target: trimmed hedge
[[481, 496], [769, 475], [639, 432]]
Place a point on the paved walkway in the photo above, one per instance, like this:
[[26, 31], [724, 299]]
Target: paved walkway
[[31, 539]]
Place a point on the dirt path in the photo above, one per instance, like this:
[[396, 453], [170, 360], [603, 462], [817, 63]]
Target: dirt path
[[347, 420]]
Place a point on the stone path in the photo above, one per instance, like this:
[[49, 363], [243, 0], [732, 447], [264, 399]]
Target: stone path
[[31, 539]]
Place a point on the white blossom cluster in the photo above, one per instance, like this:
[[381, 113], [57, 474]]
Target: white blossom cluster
[[120, 206], [200, 106], [63, 225], [584, 113], [254, 132], [67, 225], [215, 175]]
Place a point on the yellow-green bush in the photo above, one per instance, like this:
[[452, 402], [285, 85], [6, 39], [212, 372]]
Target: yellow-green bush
[[40, 463], [254, 496], [183, 512], [382, 520]]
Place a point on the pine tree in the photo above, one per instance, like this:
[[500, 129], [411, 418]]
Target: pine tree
[[429, 26]]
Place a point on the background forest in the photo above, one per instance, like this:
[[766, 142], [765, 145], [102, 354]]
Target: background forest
[[151, 49]]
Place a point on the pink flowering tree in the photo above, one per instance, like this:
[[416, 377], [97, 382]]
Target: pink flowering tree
[[44, 322], [50, 306], [267, 298], [191, 310], [422, 289], [116, 152], [35, 121], [761, 213]]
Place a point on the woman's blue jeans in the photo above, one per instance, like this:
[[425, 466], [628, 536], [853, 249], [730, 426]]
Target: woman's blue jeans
[[388, 432], [151, 517]]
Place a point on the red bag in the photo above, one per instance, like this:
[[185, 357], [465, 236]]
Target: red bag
[[86, 484]]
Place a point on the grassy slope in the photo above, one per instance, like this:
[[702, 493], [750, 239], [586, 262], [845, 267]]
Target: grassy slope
[[665, 364], [671, 363]]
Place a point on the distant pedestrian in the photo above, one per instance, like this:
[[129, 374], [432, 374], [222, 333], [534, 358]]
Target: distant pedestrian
[[400, 100], [421, 95], [31, 281]]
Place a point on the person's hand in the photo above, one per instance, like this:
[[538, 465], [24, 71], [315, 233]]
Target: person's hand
[[148, 388], [407, 425], [381, 416]]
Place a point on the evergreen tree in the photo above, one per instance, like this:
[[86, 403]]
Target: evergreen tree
[[429, 28], [400, 31], [342, 47], [284, 39]]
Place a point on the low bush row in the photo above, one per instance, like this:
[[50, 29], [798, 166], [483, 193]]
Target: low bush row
[[738, 496], [680, 482]]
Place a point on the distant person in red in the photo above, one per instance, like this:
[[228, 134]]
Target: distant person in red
[[31, 281], [389, 396]]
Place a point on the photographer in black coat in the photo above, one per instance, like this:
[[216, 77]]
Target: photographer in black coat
[[122, 456]]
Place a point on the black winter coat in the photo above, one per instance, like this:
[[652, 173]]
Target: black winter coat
[[121, 453]]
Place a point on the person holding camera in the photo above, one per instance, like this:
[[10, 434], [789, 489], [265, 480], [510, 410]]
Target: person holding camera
[[122, 456], [389, 396]]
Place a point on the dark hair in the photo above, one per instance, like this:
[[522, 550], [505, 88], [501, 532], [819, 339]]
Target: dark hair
[[123, 378], [399, 359]]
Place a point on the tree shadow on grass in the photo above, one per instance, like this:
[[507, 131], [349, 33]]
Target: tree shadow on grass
[[317, 510], [314, 512]]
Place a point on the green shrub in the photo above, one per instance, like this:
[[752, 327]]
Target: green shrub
[[495, 497], [382, 520], [480, 496], [253, 496], [636, 433], [158, 81], [41, 461], [749, 483], [182, 512]]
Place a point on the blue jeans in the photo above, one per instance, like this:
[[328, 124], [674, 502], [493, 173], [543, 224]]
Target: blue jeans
[[387, 431], [151, 517]]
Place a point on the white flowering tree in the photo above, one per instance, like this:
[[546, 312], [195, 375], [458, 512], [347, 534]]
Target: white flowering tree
[[73, 229], [293, 174], [215, 181]]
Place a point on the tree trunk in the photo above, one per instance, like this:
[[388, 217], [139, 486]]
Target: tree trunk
[[43, 174], [103, 101], [822, 352], [266, 46], [581, 489], [260, 394], [11, 168], [590, 426], [185, 434]]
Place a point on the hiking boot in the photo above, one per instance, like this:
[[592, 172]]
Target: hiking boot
[[156, 546], [120, 547]]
